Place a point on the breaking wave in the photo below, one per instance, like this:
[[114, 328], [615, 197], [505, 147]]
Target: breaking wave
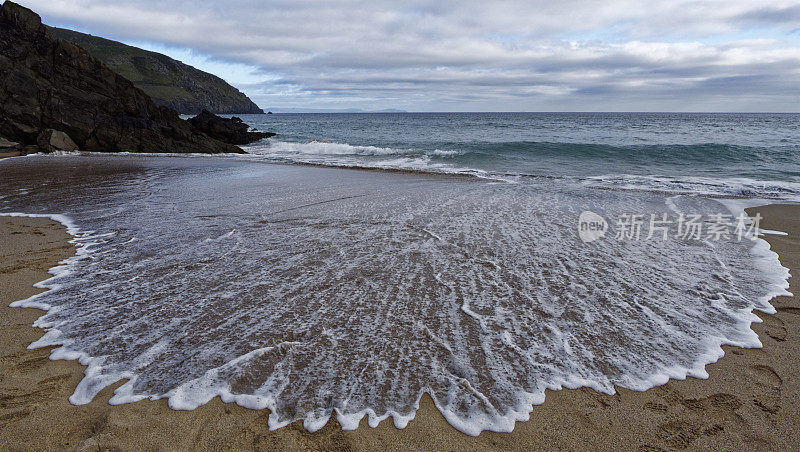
[[516, 162]]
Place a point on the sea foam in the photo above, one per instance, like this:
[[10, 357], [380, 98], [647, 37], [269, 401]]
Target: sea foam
[[315, 292]]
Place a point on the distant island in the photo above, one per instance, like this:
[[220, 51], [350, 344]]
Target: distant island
[[168, 82]]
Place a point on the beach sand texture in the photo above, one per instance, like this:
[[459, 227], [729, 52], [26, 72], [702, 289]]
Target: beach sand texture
[[751, 400]]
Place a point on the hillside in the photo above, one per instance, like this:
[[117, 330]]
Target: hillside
[[167, 81], [55, 96]]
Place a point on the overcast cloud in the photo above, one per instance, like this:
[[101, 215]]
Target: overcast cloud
[[615, 55]]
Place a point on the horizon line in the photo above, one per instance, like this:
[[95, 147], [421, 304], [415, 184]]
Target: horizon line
[[344, 111]]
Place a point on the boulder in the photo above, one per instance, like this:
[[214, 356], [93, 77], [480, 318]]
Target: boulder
[[54, 140], [53, 84], [6, 144], [9, 148], [232, 130]]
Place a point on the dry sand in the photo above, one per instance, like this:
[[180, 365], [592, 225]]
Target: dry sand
[[750, 401]]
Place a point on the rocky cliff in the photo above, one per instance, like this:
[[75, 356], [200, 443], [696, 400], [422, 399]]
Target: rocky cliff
[[51, 85], [168, 82]]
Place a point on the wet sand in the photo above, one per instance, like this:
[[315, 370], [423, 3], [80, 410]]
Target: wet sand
[[750, 401]]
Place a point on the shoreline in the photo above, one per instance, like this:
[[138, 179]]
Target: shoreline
[[745, 402], [465, 174]]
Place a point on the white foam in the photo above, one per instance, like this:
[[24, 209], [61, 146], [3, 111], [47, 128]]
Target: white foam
[[335, 333], [767, 260], [321, 148], [53, 336]]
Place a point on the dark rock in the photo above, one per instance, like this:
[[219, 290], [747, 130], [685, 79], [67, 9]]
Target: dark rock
[[54, 140], [29, 149], [232, 130], [53, 84]]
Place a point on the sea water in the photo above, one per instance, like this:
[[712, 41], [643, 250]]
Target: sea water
[[317, 291]]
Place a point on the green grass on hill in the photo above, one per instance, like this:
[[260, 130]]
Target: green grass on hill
[[167, 81]]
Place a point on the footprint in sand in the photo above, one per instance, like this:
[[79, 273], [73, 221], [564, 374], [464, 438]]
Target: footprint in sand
[[678, 434], [775, 328], [769, 398], [703, 416]]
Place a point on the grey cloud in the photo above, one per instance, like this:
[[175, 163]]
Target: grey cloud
[[789, 15], [579, 54]]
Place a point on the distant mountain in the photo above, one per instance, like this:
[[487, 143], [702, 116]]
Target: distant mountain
[[333, 110], [316, 110], [167, 81]]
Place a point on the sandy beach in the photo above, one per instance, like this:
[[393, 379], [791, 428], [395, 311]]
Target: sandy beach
[[750, 400], [464, 227]]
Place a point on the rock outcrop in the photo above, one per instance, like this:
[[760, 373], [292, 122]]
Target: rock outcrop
[[232, 130], [52, 84]]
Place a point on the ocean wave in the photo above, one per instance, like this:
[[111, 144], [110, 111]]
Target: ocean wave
[[314, 147], [445, 153], [701, 152], [344, 155], [540, 161], [659, 153], [736, 187]]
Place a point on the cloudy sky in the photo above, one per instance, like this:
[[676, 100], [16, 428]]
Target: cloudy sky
[[569, 55]]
